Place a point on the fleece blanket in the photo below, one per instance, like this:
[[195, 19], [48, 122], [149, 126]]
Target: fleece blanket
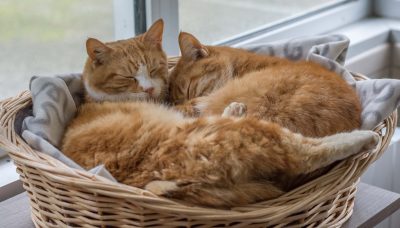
[[55, 99]]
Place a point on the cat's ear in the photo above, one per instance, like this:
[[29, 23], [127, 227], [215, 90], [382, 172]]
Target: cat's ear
[[154, 33], [191, 47], [97, 50]]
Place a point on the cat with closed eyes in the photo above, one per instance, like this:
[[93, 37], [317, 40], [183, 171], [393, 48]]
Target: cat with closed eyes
[[301, 96], [215, 161]]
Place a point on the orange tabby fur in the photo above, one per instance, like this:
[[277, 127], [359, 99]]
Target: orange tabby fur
[[211, 161], [127, 69], [302, 96]]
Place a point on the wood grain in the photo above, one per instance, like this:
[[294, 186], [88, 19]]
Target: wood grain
[[15, 212], [372, 206]]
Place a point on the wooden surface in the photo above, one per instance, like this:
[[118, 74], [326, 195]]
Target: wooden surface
[[15, 212], [372, 205], [9, 190]]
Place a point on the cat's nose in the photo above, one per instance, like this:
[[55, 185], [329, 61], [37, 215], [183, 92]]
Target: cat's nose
[[149, 90]]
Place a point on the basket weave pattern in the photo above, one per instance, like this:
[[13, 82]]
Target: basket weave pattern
[[61, 196]]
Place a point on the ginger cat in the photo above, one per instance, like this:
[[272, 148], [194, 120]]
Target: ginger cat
[[209, 161], [301, 96], [132, 69]]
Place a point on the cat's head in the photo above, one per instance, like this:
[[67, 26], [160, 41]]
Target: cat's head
[[198, 71], [132, 69]]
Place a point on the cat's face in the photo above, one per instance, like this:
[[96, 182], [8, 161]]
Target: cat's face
[[198, 71], [132, 69]]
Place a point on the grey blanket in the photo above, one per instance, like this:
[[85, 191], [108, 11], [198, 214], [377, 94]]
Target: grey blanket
[[55, 99]]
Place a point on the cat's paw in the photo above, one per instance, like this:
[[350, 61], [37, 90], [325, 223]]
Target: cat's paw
[[369, 139], [361, 141], [161, 187], [235, 109], [350, 143]]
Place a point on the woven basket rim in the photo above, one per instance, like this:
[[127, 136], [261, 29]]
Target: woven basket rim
[[309, 195]]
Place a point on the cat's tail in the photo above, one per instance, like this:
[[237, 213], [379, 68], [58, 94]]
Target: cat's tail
[[315, 153], [244, 157]]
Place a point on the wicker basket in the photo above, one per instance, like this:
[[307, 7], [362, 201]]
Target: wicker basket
[[61, 196]]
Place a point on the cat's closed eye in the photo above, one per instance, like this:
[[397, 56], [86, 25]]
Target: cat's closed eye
[[129, 77]]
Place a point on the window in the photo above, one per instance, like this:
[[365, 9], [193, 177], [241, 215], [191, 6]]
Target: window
[[44, 37], [236, 22], [387, 8], [214, 21]]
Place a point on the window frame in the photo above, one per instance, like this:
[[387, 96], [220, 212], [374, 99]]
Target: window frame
[[375, 44], [2, 153], [387, 8], [124, 19], [168, 10], [307, 23], [312, 22]]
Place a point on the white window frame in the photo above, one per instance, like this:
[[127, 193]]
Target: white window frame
[[355, 18], [168, 10], [387, 8], [375, 45], [2, 153], [124, 20], [312, 22]]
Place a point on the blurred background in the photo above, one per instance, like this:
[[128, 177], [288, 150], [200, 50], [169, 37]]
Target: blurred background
[[47, 37]]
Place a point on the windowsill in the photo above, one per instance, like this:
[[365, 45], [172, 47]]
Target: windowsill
[[10, 185], [8, 171], [368, 33]]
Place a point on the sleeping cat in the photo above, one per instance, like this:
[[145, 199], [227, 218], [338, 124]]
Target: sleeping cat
[[301, 96], [210, 161], [132, 69]]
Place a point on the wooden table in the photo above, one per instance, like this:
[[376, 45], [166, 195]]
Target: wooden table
[[372, 205], [15, 212]]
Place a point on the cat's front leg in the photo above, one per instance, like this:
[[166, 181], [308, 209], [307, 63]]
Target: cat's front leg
[[190, 108]]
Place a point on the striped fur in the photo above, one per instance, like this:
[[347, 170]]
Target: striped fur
[[129, 69], [302, 96], [209, 161]]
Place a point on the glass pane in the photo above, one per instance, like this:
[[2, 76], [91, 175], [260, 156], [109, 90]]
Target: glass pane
[[46, 37], [216, 20]]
